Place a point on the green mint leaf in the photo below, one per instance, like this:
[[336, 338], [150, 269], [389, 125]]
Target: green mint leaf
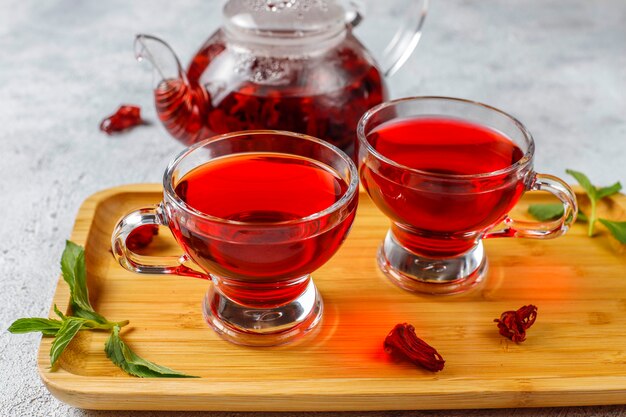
[[48, 327], [617, 229], [582, 217], [592, 192], [66, 333], [75, 274], [545, 212], [122, 356], [69, 260], [609, 191], [88, 314], [58, 312], [92, 320], [584, 182], [158, 370]]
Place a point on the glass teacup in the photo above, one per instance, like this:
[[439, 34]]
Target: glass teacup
[[447, 171], [257, 211]]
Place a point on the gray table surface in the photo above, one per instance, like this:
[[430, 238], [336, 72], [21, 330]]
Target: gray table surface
[[558, 65]]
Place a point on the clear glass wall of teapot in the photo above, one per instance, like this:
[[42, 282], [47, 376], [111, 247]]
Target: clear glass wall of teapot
[[281, 64]]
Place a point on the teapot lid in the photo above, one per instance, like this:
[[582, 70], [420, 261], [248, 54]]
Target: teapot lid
[[286, 20]]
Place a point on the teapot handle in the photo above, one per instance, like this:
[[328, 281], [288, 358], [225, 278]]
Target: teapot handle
[[404, 41]]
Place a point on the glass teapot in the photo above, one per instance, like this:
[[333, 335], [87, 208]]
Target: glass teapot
[[279, 64]]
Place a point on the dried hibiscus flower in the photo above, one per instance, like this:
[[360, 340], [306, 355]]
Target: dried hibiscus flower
[[403, 342], [513, 324], [124, 118], [141, 236]]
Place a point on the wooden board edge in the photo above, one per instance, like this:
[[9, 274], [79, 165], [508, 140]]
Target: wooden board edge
[[350, 395]]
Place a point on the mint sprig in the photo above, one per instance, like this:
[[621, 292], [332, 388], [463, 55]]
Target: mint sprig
[[546, 212], [594, 193], [86, 318]]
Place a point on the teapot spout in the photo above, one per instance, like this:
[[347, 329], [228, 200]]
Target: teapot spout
[[162, 58], [181, 107]]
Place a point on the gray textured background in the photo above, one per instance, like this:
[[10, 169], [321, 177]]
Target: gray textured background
[[559, 66]]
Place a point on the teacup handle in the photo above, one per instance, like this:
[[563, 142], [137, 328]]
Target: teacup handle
[[147, 264], [548, 229]]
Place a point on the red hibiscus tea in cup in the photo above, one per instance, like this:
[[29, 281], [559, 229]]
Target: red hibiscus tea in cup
[[260, 190], [443, 146]]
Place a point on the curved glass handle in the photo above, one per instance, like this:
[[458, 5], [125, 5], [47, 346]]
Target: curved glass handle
[[406, 38], [147, 264], [548, 229]]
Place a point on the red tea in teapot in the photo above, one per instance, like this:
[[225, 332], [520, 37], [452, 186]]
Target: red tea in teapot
[[291, 65], [323, 99]]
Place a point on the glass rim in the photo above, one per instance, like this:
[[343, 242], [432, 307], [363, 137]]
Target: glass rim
[[168, 177], [514, 167]]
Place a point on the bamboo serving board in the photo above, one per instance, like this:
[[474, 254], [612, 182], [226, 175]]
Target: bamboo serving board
[[575, 353]]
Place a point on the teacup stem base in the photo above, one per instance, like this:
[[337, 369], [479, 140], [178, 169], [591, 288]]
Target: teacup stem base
[[250, 326], [417, 273]]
